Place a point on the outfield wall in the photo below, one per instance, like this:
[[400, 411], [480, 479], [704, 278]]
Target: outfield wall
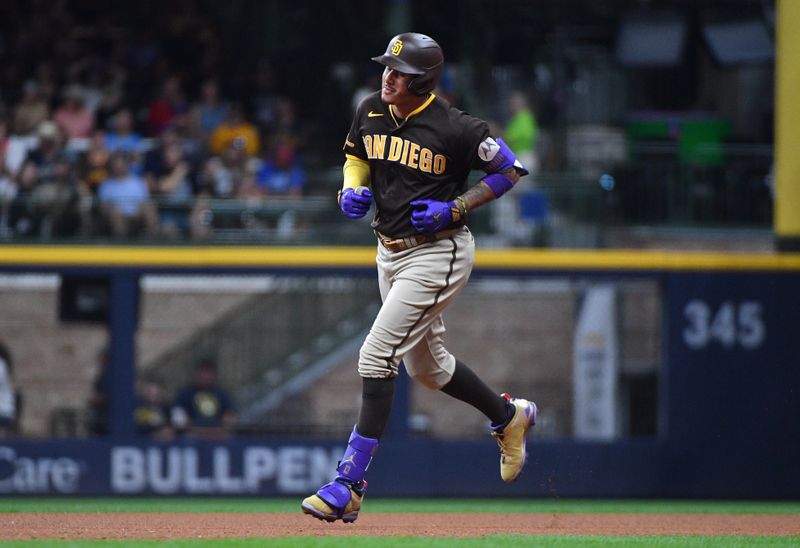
[[728, 403]]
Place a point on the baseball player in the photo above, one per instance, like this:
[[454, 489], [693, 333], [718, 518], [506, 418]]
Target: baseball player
[[411, 152]]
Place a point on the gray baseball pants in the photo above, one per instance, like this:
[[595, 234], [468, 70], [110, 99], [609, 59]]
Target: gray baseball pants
[[416, 286]]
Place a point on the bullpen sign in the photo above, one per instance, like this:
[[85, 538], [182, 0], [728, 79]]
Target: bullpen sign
[[222, 470], [97, 467]]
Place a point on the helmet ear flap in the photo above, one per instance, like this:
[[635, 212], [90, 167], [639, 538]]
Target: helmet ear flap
[[414, 86], [425, 83]]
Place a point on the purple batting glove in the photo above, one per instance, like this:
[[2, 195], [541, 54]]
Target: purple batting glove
[[431, 216], [355, 204]]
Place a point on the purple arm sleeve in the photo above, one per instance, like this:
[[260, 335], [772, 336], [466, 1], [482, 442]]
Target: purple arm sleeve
[[499, 158]]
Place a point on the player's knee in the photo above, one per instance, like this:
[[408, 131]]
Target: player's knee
[[373, 365], [372, 372], [434, 380], [433, 370]]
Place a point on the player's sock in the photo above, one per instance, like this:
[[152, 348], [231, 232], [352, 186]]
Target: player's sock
[[468, 387], [376, 404], [511, 411]]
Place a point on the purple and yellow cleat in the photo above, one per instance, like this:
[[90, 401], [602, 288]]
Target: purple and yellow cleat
[[336, 500], [511, 438], [341, 498]]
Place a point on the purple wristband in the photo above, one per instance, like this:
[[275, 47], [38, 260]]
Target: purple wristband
[[499, 183]]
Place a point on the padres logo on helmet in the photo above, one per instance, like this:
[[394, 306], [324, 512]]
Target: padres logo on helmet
[[397, 47], [414, 53]]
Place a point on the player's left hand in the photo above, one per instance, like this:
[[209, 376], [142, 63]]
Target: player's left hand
[[431, 216]]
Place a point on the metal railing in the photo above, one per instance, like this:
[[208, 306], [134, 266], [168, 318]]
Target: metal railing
[[568, 209]]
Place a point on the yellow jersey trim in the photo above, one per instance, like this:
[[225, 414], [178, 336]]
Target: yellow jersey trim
[[422, 107], [394, 119], [414, 112], [364, 257]]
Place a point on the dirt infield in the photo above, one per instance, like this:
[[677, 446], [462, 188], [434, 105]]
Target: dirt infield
[[53, 525]]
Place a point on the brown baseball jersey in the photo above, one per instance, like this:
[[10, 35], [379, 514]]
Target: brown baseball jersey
[[427, 155]]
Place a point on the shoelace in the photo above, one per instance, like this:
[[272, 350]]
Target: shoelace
[[498, 436]]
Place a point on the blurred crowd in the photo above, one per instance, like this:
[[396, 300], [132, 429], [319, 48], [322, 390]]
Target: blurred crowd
[[108, 130]]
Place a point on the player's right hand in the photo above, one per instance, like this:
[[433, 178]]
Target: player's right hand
[[355, 204]]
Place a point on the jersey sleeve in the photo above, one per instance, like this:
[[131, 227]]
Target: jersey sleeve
[[353, 144], [474, 132]]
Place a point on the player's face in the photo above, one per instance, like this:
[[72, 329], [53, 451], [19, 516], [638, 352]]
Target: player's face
[[395, 86]]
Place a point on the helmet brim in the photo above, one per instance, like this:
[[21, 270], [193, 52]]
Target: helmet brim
[[397, 64]]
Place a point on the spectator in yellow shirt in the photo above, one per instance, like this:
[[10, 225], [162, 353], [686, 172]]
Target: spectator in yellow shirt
[[237, 131]]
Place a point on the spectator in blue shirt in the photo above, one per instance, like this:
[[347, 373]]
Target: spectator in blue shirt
[[281, 173], [122, 136], [125, 202], [203, 409]]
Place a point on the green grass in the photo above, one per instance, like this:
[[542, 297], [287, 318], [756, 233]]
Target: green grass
[[165, 504], [407, 542]]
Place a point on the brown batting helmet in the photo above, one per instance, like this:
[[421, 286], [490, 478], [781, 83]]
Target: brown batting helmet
[[415, 53]]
